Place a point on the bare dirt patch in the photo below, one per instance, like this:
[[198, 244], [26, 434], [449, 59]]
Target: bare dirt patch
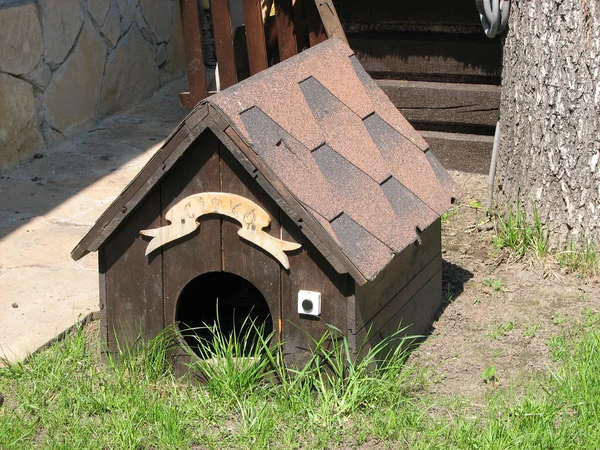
[[499, 312]]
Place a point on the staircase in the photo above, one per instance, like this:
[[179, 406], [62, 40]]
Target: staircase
[[436, 65]]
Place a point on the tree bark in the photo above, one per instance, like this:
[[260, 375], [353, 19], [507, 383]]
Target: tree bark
[[550, 116]]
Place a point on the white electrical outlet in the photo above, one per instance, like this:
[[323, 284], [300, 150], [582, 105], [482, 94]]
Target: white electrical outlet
[[309, 303]]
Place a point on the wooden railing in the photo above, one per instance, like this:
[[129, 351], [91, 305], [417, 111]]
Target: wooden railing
[[296, 25]]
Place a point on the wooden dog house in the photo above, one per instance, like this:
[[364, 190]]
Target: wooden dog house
[[304, 177]]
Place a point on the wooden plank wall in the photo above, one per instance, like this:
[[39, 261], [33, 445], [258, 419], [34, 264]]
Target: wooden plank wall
[[241, 257], [385, 297], [134, 304], [453, 107], [199, 252], [309, 270]]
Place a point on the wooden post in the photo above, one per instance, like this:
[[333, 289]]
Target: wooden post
[[255, 36], [286, 38], [316, 31], [330, 19], [224, 43], [299, 25], [192, 36]]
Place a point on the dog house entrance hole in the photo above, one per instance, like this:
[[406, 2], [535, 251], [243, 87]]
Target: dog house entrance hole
[[226, 300]]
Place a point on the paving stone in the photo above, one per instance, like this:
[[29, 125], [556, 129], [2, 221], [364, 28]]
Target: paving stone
[[71, 168], [19, 128], [44, 309], [30, 198], [98, 10], [131, 74], [72, 96], [21, 43], [41, 242], [72, 208], [158, 16], [62, 21]]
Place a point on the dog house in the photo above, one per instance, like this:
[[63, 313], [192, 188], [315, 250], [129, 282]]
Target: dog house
[[299, 197]]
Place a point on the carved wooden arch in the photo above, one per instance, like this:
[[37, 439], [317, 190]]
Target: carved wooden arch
[[183, 220]]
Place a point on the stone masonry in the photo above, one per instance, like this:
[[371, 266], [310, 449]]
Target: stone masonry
[[66, 64]]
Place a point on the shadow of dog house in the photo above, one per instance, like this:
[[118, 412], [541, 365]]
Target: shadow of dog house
[[299, 197]]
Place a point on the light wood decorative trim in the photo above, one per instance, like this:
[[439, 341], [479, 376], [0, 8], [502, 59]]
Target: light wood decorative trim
[[183, 220]]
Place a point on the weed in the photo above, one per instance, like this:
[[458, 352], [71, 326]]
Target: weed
[[448, 214], [497, 354], [517, 233], [475, 204], [489, 375], [583, 297], [559, 318], [558, 347], [448, 294], [495, 284], [591, 317], [477, 301], [583, 260], [531, 330], [496, 331]]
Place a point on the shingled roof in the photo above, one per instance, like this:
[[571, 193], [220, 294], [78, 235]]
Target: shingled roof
[[332, 150]]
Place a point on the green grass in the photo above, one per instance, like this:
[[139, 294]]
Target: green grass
[[497, 330], [583, 260], [524, 235], [448, 214], [495, 284], [489, 375], [62, 398], [521, 234], [531, 330]]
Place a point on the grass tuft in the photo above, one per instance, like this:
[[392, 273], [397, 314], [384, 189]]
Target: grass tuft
[[233, 365], [583, 260], [515, 231]]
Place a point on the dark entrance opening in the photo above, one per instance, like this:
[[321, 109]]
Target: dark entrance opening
[[228, 301]]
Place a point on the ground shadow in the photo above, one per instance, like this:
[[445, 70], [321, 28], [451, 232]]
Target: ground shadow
[[116, 147], [454, 278]]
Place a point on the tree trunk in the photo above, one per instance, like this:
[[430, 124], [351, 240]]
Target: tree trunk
[[550, 116]]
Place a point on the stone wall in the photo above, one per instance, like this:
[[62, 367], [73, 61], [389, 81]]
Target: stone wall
[[65, 64]]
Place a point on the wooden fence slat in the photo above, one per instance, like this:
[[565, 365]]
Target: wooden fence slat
[[224, 43], [316, 30], [190, 18], [299, 27], [255, 36], [286, 38], [330, 19]]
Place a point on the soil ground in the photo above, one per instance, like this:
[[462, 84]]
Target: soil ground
[[508, 327]]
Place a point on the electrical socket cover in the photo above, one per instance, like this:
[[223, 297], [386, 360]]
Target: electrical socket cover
[[309, 303]]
